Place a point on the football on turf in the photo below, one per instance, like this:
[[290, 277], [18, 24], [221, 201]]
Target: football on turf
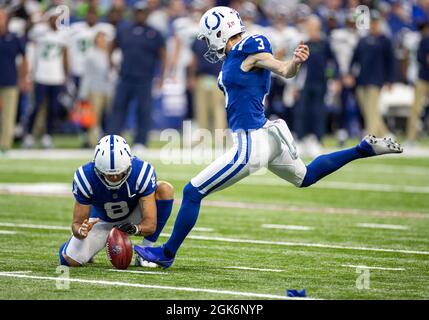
[[119, 249]]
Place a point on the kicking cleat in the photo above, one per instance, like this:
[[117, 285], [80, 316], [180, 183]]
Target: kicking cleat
[[374, 146], [155, 255], [140, 262]]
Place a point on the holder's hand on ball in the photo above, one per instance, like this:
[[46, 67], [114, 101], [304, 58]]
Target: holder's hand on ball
[[129, 228]]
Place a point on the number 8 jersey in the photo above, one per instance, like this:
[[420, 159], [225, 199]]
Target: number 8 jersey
[[114, 204], [245, 91]]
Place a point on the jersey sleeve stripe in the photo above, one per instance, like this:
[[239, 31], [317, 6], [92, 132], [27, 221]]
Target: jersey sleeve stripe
[[79, 185], [83, 184], [142, 172], [85, 180], [241, 43], [148, 177]]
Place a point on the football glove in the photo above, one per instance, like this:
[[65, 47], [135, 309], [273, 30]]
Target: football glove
[[129, 228]]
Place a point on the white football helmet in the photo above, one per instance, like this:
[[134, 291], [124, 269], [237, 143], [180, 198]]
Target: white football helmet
[[217, 26], [112, 157]]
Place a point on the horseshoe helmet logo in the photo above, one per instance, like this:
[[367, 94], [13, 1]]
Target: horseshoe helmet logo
[[217, 23]]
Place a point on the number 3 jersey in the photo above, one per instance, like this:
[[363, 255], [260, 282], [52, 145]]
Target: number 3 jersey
[[114, 204], [245, 91]]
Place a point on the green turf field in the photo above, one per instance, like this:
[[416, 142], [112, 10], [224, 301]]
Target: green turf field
[[374, 213]]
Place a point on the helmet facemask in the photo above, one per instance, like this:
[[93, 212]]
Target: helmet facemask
[[110, 184], [213, 54], [112, 157]]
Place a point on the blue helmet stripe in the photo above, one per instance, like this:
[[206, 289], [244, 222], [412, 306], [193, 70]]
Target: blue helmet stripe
[[112, 154]]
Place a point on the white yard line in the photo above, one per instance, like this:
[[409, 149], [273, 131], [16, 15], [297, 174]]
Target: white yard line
[[33, 226], [303, 244], [263, 180], [249, 241], [254, 269], [382, 226], [287, 227], [375, 268], [372, 187], [159, 287], [387, 169], [203, 229], [17, 272], [138, 272], [174, 154], [7, 232]]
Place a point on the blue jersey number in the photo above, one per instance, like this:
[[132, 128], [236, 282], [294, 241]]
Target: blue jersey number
[[261, 45], [116, 210]]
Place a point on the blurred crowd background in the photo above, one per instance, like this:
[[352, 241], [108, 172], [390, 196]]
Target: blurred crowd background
[[86, 68]]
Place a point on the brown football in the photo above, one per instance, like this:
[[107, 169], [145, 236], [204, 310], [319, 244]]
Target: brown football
[[119, 249]]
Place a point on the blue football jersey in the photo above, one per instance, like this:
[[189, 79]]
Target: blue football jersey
[[245, 91], [114, 205]]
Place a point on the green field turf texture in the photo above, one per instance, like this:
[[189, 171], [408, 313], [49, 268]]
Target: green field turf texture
[[202, 263]]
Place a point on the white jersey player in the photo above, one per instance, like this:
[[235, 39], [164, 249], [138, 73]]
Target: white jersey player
[[82, 35], [49, 73]]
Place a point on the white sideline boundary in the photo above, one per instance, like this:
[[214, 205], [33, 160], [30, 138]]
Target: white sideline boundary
[[382, 226], [249, 241], [375, 268], [147, 286], [175, 154], [253, 269], [63, 190]]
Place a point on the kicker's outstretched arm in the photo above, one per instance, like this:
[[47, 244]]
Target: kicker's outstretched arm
[[287, 69]]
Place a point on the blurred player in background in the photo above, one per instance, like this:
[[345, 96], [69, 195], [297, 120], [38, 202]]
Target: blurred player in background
[[97, 84], [284, 39], [143, 51], [50, 69], [11, 78], [258, 142], [375, 59], [421, 90], [115, 189], [310, 113], [343, 41], [81, 40]]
